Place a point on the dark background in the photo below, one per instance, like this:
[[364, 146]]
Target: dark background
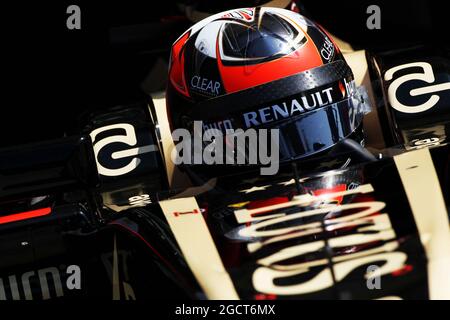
[[52, 76]]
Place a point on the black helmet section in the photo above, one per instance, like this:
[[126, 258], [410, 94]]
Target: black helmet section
[[274, 79]]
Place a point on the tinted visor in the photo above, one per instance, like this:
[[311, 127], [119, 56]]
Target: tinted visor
[[297, 137], [320, 129]]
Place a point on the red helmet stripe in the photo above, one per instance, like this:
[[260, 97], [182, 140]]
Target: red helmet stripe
[[236, 78], [177, 74]]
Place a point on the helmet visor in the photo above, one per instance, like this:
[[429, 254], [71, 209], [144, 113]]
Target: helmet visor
[[320, 129], [293, 138]]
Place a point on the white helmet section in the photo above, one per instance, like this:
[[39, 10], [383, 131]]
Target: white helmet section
[[210, 33], [248, 15]]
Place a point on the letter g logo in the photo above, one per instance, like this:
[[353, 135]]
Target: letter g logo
[[129, 138], [426, 76]]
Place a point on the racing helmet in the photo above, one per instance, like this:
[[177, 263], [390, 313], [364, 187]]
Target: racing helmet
[[265, 68]]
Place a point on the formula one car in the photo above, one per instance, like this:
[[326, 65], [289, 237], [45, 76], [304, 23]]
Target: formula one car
[[358, 208]]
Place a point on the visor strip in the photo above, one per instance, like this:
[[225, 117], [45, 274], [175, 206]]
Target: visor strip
[[269, 92]]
